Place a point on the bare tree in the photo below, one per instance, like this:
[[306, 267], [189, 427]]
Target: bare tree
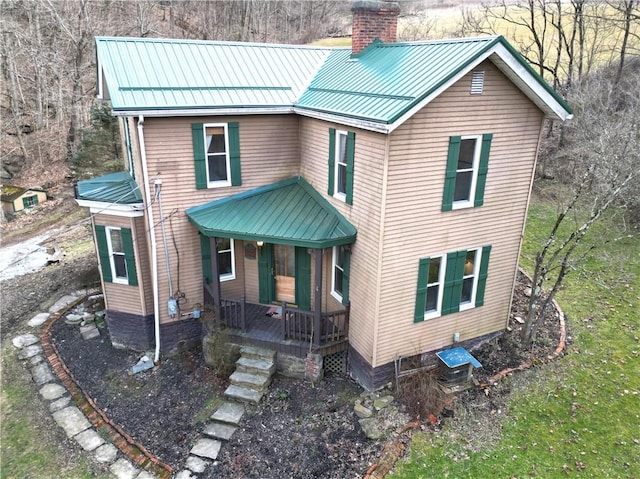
[[602, 151]]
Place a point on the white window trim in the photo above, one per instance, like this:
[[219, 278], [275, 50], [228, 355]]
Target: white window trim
[[232, 275], [474, 178], [476, 271], [112, 263], [441, 274], [217, 184], [336, 194], [335, 293]]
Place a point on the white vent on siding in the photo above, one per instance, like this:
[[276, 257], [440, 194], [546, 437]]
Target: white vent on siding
[[477, 82]]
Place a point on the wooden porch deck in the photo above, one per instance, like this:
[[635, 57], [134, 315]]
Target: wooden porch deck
[[267, 331]]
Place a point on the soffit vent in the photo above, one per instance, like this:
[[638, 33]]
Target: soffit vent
[[477, 82]]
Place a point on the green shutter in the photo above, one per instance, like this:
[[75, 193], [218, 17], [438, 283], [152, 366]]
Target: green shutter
[[205, 253], [351, 147], [303, 279], [450, 175], [332, 160], [482, 276], [234, 153], [199, 157], [103, 253], [483, 168], [129, 256], [421, 291], [265, 273], [453, 282], [346, 271]]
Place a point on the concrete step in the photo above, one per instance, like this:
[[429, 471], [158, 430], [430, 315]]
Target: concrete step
[[229, 412], [259, 382], [243, 394], [254, 352], [255, 366], [218, 430]]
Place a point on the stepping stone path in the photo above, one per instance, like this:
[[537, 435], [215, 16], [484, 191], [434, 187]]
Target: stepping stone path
[[250, 381]]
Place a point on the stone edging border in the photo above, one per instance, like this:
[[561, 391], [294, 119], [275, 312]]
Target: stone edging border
[[123, 441], [394, 449]]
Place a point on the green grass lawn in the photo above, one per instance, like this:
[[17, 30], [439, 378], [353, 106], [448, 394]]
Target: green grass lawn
[[578, 416]]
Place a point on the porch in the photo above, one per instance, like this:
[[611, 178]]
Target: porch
[[293, 331]]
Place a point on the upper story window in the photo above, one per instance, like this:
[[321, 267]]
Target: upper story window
[[466, 172], [226, 259], [451, 283], [341, 157], [117, 259], [216, 151], [218, 167]]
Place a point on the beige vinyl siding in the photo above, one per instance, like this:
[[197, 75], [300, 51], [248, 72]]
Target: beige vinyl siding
[[364, 214], [122, 297], [143, 264], [269, 153], [415, 226], [234, 288]]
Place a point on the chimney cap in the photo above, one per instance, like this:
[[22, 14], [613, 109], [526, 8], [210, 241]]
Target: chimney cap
[[376, 5]]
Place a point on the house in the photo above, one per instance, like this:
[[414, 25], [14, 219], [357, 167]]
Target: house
[[363, 205], [17, 198]]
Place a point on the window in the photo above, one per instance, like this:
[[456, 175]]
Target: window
[[216, 152], [434, 286], [341, 156], [117, 259], [116, 255], [226, 259], [340, 274], [29, 201], [469, 278], [467, 166], [451, 283]]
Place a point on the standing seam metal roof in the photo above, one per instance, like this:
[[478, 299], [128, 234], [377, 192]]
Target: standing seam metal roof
[[380, 84], [287, 212]]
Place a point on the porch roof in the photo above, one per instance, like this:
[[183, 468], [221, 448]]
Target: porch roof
[[288, 212]]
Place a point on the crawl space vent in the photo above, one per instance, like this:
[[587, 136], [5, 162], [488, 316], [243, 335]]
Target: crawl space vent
[[336, 363]]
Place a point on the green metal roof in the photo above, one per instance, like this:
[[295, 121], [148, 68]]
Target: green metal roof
[[380, 86], [146, 74], [116, 188], [289, 212]]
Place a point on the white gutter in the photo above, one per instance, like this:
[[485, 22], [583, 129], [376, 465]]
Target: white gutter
[[152, 237]]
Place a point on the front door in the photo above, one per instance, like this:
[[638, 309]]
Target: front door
[[284, 269]]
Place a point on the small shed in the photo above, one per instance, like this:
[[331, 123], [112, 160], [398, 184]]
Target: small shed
[[17, 198]]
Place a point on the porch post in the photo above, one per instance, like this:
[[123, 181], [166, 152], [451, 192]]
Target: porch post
[[317, 303], [216, 278]]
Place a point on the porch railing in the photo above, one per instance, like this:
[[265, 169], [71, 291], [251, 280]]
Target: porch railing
[[299, 325], [232, 311]]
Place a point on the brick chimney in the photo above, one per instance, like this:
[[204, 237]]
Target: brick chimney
[[373, 19]]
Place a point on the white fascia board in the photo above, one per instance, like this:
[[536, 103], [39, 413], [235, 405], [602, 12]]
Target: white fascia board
[[535, 88], [344, 120], [516, 73], [206, 112], [103, 208]]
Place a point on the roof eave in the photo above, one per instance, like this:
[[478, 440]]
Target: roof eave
[[113, 209], [226, 111]]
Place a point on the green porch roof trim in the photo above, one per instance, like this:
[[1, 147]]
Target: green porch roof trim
[[381, 84], [117, 188], [288, 212]]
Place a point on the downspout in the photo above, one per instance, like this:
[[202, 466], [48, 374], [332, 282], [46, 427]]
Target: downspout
[[152, 237]]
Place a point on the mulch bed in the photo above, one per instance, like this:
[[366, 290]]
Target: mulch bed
[[297, 430]]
